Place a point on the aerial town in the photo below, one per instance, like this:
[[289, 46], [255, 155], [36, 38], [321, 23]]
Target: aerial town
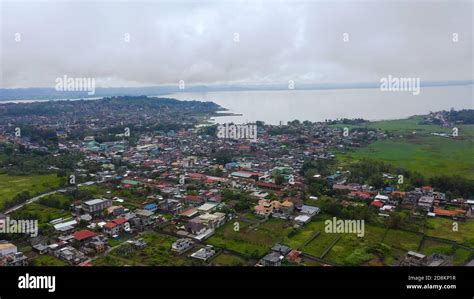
[[127, 183]]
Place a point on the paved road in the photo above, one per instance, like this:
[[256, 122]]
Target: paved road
[[31, 200]]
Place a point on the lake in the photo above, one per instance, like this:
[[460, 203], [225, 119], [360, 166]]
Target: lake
[[319, 105]]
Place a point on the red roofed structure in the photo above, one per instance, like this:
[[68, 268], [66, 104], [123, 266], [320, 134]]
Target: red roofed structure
[[266, 185], [449, 213], [84, 234], [377, 203], [110, 225], [193, 199], [361, 194], [119, 221]]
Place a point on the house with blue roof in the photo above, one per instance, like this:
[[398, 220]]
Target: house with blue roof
[[151, 207]]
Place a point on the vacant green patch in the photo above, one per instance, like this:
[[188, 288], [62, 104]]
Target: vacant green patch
[[10, 186], [226, 259], [252, 242], [319, 244], [350, 250], [394, 256], [428, 155], [415, 149], [374, 234], [429, 247], [43, 214], [48, 260], [109, 260], [297, 239], [403, 240], [462, 256], [446, 229]]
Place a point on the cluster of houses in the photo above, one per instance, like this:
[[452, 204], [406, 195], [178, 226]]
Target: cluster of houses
[[421, 199], [10, 256], [278, 254], [289, 209], [162, 164], [413, 258]]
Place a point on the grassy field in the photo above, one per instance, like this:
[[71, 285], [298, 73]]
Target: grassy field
[[47, 260], [225, 259], [251, 242], [349, 250], [443, 228], [13, 185], [40, 212], [297, 240], [462, 256], [318, 245], [429, 247], [403, 240], [414, 148]]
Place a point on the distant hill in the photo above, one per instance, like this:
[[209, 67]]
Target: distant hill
[[51, 93]]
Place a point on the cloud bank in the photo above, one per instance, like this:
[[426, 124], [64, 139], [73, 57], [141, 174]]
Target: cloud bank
[[144, 43]]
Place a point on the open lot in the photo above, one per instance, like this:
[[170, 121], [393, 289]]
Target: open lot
[[227, 259], [43, 214], [403, 240], [413, 148], [251, 242], [443, 228], [429, 247], [48, 260], [10, 186]]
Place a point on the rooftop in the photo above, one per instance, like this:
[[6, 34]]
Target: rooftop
[[84, 234], [94, 201]]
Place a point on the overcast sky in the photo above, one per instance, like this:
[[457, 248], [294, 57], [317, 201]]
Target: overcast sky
[[194, 41]]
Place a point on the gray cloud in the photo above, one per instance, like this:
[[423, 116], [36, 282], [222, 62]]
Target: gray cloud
[[194, 41]]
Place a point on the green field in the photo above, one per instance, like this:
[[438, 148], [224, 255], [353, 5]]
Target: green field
[[415, 149], [251, 242], [48, 260], [319, 244], [13, 185], [350, 250], [443, 228], [403, 240], [40, 212], [225, 259], [429, 247], [297, 240], [462, 256]]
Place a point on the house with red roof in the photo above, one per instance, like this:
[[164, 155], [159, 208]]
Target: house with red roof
[[398, 194], [196, 176], [115, 226], [294, 256], [271, 186], [360, 194], [449, 213], [377, 203], [83, 235], [194, 200]]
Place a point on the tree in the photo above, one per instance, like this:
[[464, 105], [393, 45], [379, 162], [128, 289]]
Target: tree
[[279, 179]]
